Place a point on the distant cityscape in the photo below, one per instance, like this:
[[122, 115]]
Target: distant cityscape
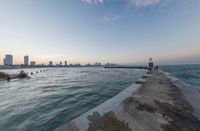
[[8, 63]]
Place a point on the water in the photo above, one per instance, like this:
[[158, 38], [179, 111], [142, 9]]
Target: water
[[187, 73], [51, 98]]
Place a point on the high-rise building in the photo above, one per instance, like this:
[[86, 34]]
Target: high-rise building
[[4, 61], [8, 60], [65, 63], [60, 63], [26, 60], [50, 63], [33, 63]]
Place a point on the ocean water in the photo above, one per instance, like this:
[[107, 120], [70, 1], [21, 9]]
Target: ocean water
[[57, 95], [187, 73]]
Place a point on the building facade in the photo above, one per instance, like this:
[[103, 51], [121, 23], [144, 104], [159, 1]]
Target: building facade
[[65, 63], [8, 60], [33, 63], [50, 63], [26, 60]]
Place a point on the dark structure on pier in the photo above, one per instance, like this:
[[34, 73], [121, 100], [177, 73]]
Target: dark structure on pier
[[150, 63]]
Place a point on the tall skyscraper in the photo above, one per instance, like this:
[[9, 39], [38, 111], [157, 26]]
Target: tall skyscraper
[[8, 60], [26, 60], [50, 63], [65, 63], [4, 61]]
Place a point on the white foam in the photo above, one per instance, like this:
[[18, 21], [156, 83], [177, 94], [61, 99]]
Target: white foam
[[141, 80], [167, 74], [191, 94], [147, 75]]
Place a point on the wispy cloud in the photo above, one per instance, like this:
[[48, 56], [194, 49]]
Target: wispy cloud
[[54, 56], [110, 18], [121, 8], [137, 3], [145, 3], [95, 2]]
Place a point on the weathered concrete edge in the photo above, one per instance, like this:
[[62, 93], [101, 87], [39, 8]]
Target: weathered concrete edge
[[191, 94], [168, 75], [81, 123]]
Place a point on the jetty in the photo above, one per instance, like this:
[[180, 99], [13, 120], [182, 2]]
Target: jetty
[[8, 77], [156, 102], [128, 67]]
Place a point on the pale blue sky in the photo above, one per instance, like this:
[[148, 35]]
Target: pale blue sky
[[118, 31]]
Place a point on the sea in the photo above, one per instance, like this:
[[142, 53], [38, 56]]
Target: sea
[[189, 74], [54, 96]]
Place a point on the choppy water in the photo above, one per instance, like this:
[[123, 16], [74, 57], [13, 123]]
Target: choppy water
[[53, 97], [187, 73]]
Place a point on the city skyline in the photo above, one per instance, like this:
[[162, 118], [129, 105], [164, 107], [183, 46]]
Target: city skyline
[[8, 61], [86, 31]]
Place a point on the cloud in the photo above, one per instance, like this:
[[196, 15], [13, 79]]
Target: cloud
[[49, 56], [110, 18], [145, 3], [95, 2], [121, 8], [137, 3]]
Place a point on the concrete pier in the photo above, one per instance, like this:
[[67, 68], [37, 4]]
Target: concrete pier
[[128, 67], [158, 103]]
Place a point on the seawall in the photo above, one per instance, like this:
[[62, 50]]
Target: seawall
[[157, 102]]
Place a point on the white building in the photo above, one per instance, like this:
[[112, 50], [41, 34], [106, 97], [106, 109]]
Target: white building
[[8, 60], [26, 60]]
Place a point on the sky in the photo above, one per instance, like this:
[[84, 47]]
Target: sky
[[89, 31]]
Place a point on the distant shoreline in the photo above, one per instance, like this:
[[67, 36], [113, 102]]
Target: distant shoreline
[[33, 67], [103, 66]]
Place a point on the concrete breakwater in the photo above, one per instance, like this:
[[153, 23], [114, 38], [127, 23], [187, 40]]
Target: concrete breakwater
[[8, 77], [127, 67], [157, 102]]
